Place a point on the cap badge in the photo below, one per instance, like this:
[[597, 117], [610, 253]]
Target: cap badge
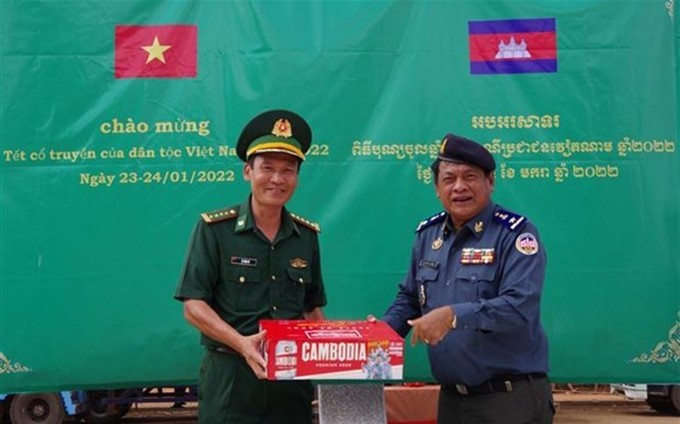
[[443, 146], [298, 263], [437, 244], [282, 128], [479, 226]]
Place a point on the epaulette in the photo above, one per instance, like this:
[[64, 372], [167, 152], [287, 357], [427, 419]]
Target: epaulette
[[508, 219], [431, 220], [220, 215], [309, 224]]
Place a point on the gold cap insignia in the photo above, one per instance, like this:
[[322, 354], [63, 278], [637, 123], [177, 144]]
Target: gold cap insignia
[[298, 263], [282, 128], [443, 146], [437, 244], [479, 226]]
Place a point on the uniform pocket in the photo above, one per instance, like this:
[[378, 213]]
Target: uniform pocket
[[475, 282], [424, 275], [243, 288], [297, 281], [426, 279]]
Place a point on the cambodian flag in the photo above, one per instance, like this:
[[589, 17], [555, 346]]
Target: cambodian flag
[[513, 46]]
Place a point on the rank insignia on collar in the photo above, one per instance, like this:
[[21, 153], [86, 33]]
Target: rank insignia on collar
[[479, 226], [470, 255], [298, 263], [239, 260], [421, 295], [437, 243]]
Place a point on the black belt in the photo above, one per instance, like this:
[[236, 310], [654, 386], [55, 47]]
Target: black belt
[[222, 349], [498, 384]]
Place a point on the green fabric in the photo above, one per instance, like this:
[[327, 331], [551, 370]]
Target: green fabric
[[93, 229], [245, 278]]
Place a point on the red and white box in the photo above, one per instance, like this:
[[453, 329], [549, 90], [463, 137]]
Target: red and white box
[[332, 350]]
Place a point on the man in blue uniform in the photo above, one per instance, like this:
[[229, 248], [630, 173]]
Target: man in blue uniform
[[472, 293], [250, 262]]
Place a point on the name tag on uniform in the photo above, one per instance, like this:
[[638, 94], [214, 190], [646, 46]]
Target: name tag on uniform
[[242, 261], [428, 264], [470, 255]]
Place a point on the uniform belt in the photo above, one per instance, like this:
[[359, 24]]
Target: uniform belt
[[498, 384], [222, 349]]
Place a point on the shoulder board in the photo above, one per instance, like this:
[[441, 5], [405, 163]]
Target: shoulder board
[[434, 219], [220, 215], [509, 220], [307, 223]]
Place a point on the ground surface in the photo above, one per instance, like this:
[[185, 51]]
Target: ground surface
[[572, 408]]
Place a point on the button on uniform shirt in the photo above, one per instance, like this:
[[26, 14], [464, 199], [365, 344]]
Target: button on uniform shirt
[[491, 271], [245, 277]]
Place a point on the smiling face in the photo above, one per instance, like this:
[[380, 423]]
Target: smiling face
[[273, 178], [464, 190]]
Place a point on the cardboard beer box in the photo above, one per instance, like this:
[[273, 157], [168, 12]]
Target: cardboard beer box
[[332, 350]]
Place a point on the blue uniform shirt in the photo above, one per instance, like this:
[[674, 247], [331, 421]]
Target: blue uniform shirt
[[491, 273]]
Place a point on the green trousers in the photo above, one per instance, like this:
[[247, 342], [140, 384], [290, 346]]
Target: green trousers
[[229, 393]]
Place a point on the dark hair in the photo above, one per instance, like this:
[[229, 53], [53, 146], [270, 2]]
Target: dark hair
[[435, 169]]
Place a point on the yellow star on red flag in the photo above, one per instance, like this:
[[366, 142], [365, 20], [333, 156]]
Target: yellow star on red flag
[[156, 50]]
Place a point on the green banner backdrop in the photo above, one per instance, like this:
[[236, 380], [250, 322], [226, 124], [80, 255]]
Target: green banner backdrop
[[112, 144]]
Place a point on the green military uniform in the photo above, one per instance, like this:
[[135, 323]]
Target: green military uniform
[[245, 277]]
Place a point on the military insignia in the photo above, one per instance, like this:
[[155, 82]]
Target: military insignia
[[421, 295], [431, 220], [217, 216], [471, 255], [282, 128], [509, 219], [241, 261], [437, 243], [298, 263], [307, 223], [479, 226], [526, 244], [443, 146]]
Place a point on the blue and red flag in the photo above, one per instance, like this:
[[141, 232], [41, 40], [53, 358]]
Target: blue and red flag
[[513, 46]]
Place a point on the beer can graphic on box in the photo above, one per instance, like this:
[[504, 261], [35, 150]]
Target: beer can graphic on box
[[332, 350], [285, 358]]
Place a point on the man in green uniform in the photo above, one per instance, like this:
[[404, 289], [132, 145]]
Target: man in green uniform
[[249, 262]]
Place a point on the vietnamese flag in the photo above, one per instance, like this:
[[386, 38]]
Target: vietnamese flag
[[155, 51]]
